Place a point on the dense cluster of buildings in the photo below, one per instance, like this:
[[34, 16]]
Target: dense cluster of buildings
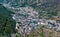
[[27, 20]]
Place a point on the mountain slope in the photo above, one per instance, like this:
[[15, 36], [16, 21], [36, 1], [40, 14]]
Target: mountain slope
[[48, 8], [7, 24]]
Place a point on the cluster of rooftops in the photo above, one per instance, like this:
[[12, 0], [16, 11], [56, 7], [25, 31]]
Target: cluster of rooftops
[[27, 20]]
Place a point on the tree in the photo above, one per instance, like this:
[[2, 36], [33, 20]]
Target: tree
[[7, 24]]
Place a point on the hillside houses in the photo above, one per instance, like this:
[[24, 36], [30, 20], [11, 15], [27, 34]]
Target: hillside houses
[[27, 20]]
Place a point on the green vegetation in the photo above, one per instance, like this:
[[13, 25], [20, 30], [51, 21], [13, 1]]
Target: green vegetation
[[46, 10], [42, 32], [7, 24], [18, 35]]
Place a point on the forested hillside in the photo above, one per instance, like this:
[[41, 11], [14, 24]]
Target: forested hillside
[[7, 24]]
